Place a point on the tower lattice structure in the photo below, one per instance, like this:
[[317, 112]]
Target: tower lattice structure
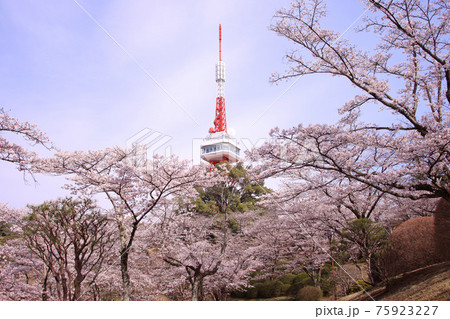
[[219, 146], [220, 120]]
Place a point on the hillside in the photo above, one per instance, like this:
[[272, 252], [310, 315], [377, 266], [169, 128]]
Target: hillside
[[428, 283]]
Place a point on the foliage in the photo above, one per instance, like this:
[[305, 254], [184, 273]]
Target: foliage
[[251, 293], [269, 289], [288, 279], [408, 157], [135, 188], [236, 192], [366, 232], [327, 282], [309, 293], [14, 153], [299, 281], [266, 289], [20, 270], [220, 217], [412, 245], [210, 256], [195, 232], [4, 229], [72, 238], [370, 239], [358, 286], [287, 285]]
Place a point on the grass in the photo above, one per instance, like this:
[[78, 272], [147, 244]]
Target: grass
[[430, 283]]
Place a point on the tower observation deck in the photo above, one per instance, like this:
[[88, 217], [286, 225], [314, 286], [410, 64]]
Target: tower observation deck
[[219, 146]]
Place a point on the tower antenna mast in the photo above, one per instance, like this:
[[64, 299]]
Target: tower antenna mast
[[219, 146], [220, 120], [220, 42]]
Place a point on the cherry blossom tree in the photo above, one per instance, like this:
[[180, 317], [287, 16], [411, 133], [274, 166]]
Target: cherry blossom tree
[[341, 209], [237, 268], [396, 210], [398, 165], [18, 267], [415, 29], [22, 275], [211, 255], [204, 237], [291, 240], [72, 239], [14, 153], [145, 269], [135, 189], [355, 170], [408, 158], [194, 249]]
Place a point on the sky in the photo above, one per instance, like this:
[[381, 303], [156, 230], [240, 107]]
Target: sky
[[93, 74]]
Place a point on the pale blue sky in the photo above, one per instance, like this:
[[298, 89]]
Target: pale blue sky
[[59, 70]]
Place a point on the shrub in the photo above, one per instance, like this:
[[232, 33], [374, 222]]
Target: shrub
[[264, 289], [276, 289], [299, 281], [270, 289], [252, 293], [293, 289], [441, 227], [326, 270], [309, 293], [284, 289], [358, 286], [240, 294], [288, 279], [303, 279], [288, 285], [327, 286], [419, 242]]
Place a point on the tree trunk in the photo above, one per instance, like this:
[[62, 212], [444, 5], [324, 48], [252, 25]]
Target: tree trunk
[[65, 290], [58, 286], [79, 276], [125, 276], [374, 270], [77, 287], [45, 284], [124, 253], [197, 287], [95, 292]]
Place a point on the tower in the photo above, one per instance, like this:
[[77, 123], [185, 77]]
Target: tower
[[220, 121], [219, 146]]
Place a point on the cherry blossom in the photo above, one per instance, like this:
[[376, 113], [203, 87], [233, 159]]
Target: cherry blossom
[[134, 190], [14, 153]]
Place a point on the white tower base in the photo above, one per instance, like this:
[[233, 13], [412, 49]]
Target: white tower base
[[219, 147]]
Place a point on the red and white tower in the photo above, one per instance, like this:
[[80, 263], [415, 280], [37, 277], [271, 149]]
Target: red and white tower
[[220, 121], [219, 146]]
